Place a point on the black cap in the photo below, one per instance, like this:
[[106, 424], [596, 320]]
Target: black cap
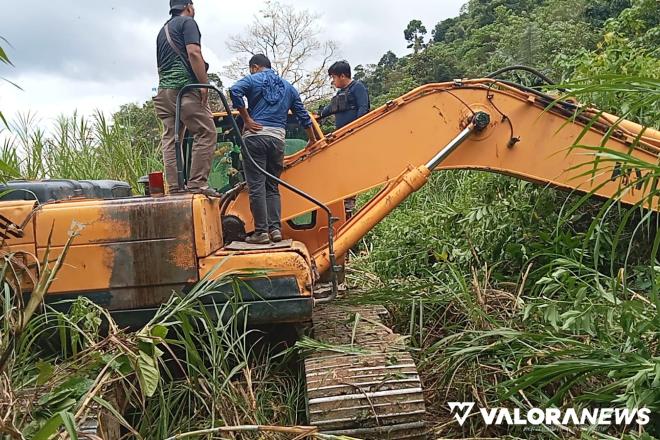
[[179, 5]]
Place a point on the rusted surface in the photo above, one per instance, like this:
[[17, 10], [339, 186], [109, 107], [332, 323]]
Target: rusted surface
[[376, 393], [160, 251], [132, 251]]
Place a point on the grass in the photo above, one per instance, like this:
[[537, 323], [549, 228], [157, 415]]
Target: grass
[[509, 303], [79, 148], [520, 296], [183, 372]]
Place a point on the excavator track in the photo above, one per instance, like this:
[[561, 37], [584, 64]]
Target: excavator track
[[365, 384]]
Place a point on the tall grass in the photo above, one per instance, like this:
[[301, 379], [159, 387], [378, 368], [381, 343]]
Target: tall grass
[[509, 303], [185, 371], [80, 148]]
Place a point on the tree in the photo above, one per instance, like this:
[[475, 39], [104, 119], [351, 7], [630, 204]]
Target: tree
[[290, 39], [414, 35], [443, 30], [599, 11], [141, 126], [388, 61], [214, 99]]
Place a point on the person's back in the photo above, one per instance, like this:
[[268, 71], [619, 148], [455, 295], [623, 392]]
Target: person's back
[[269, 100], [174, 70]]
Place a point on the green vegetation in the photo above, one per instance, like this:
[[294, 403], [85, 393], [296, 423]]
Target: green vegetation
[[4, 59], [77, 147], [182, 372], [6, 171], [516, 295]]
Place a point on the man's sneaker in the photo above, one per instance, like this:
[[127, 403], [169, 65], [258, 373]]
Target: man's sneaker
[[258, 238], [207, 191], [275, 236]]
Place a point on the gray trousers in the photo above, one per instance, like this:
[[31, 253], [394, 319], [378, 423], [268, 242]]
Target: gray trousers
[[198, 119], [265, 204]]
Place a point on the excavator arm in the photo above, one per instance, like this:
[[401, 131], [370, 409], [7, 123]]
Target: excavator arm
[[480, 125]]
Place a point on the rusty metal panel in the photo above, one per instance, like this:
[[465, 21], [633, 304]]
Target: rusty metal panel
[[125, 243], [109, 221]]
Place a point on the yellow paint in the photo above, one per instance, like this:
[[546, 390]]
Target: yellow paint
[[208, 228], [294, 261]]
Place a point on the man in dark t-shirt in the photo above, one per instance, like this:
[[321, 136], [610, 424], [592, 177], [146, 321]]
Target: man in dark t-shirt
[[180, 62]]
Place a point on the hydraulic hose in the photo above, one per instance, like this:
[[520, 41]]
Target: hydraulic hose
[[528, 69], [531, 70], [246, 154]]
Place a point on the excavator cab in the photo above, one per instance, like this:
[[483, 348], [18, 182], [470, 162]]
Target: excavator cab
[[227, 169]]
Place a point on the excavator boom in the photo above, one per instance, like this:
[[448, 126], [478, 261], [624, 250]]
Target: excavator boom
[[132, 252], [529, 135]]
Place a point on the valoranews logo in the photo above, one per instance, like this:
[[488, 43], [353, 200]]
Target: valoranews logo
[[551, 416]]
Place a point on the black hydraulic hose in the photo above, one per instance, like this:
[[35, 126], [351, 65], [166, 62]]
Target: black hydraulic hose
[[528, 69], [547, 98], [564, 108], [230, 196], [531, 70], [246, 153]]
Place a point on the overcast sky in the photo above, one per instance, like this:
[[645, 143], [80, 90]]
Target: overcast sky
[[99, 54]]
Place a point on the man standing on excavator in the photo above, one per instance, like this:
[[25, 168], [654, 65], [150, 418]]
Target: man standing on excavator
[[352, 99], [350, 103], [180, 62], [269, 100]]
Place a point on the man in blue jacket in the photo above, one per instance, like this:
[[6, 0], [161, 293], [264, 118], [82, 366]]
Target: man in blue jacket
[[352, 99], [269, 100], [350, 103]]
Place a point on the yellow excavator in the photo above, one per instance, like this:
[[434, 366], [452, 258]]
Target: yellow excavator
[[133, 251]]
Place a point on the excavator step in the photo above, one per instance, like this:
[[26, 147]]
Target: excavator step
[[365, 383], [243, 246]]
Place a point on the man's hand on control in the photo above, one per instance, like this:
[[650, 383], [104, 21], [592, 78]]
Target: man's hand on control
[[205, 96]]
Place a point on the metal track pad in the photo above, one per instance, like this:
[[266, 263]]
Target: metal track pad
[[365, 384]]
